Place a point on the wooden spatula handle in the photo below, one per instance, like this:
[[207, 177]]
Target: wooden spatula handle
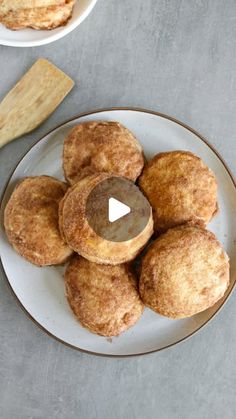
[[32, 100]]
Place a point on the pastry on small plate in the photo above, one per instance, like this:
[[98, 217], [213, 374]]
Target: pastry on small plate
[[180, 188], [7, 5], [31, 221], [104, 299], [184, 272], [45, 18], [83, 239], [101, 146]]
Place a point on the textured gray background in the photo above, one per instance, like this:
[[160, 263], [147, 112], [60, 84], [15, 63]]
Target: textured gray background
[[177, 57]]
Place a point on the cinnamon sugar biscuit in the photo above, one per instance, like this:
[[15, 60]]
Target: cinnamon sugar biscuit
[[7, 5], [103, 298], [38, 18], [101, 146], [184, 272], [82, 238], [180, 188], [31, 221]]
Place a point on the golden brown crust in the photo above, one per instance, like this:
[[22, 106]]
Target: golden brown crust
[[180, 188], [31, 221], [80, 236], [7, 5], [103, 298], [184, 272], [101, 146], [38, 18]]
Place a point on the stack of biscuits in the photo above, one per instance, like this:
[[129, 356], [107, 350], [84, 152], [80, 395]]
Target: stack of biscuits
[[36, 14], [184, 269]]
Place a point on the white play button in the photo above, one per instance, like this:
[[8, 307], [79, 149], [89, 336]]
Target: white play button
[[117, 210]]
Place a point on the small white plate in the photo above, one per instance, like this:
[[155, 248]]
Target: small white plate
[[41, 290], [32, 37]]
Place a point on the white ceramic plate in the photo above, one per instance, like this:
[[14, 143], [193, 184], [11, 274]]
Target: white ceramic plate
[[32, 38], [41, 290]]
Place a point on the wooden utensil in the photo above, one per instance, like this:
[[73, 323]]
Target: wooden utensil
[[32, 100]]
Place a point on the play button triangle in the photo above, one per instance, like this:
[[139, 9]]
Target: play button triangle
[[117, 210]]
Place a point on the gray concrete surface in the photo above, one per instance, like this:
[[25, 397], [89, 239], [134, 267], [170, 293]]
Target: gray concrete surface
[[176, 57]]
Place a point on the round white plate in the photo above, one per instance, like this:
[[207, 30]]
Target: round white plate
[[41, 290], [32, 37]]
